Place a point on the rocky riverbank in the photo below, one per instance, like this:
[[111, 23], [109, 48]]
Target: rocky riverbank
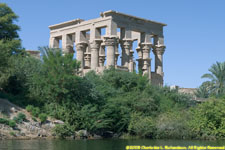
[[29, 128], [32, 128]]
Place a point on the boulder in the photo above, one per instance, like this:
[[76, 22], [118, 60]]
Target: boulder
[[81, 134]]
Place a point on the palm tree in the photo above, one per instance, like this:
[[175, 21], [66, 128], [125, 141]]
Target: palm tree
[[204, 90], [217, 77]]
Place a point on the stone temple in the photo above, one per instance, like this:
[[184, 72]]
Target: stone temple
[[97, 41]]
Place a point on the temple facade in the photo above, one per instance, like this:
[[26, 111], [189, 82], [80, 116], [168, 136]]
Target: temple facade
[[98, 51]]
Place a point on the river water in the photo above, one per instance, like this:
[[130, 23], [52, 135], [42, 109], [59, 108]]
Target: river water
[[106, 144]]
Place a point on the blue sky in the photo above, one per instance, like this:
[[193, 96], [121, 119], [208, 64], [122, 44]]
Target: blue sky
[[194, 37]]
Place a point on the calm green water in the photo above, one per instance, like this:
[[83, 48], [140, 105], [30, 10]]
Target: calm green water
[[109, 144]]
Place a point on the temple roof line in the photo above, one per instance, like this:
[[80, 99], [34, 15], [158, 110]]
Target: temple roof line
[[67, 23], [110, 12], [103, 14]]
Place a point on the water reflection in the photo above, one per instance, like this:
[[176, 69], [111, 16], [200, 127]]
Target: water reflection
[[109, 144]]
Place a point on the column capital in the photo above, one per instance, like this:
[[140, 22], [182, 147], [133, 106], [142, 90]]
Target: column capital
[[102, 60], [139, 51], [95, 44], [146, 62], [159, 49], [81, 46], [103, 44], [69, 48], [87, 56], [111, 40], [131, 53], [126, 43], [146, 45]]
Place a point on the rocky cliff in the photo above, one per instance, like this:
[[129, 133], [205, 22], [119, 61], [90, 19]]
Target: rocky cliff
[[26, 129]]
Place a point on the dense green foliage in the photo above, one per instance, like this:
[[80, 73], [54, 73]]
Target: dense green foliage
[[115, 101], [102, 103], [208, 119], [63, 131], [9, 41], [8, 28]]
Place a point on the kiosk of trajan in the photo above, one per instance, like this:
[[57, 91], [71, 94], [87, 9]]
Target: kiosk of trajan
[[97, 52]]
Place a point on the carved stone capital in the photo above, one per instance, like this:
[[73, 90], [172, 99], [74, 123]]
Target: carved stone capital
[[69, 48], [101, 61], [110, 41], [146, 47], [81, 46], [131, 53], [139, 51], [87, 56], [159, 50], [126, 43], [95, 44], [102, 44]]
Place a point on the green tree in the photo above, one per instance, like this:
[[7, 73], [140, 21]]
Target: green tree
[[22, 71], [207, 119], [10, 43], [204, 90], [58, 80], [8, 28], [217, 77]]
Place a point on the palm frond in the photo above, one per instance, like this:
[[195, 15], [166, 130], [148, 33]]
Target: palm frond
[[209, 76]]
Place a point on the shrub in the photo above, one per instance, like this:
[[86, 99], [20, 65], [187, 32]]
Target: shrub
[[42, 117], [207, 119], [34, 119], [142, 126], [35, 111], [29, 108], [20, 118], [62, 130], [8, 122], [173, 124], [4, 121], [12, 123], [12, 133]]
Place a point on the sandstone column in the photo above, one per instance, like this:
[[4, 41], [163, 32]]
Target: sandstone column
[[81, 47], [87, 60], [102, 55], [159, 50], [116, 52], [146, 47], [126, 46], [110, 43], [95, 45], [140, 59], [131, 62], [54, 42]]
